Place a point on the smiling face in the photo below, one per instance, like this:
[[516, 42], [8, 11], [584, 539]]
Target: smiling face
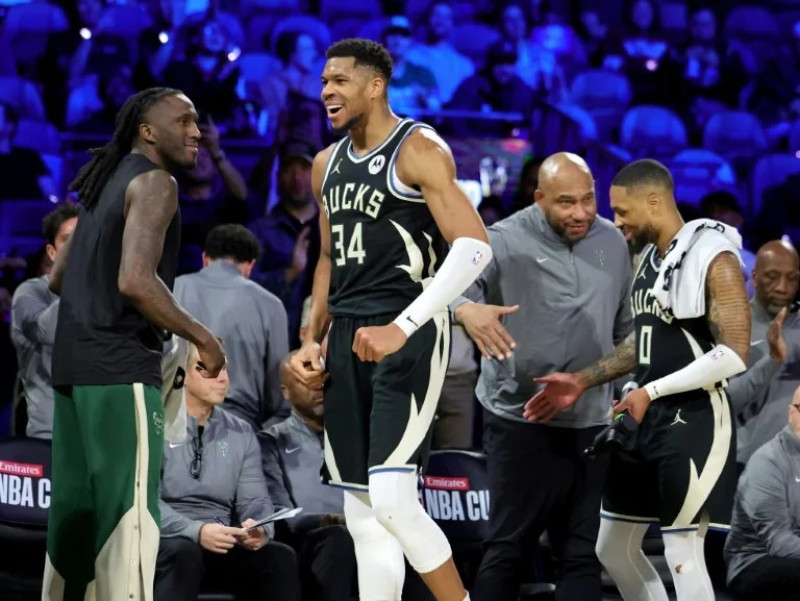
[[566, 196], [349, 92], [171, 126], [632, 217]]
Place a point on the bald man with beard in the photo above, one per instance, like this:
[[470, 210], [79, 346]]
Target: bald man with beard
[[554, 298], [759, 396]]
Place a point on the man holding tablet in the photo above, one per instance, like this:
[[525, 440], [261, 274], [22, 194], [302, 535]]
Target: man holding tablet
[[209, 482]]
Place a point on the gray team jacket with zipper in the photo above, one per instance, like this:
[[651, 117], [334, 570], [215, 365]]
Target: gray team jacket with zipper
[[766, 509], [574, 308], [231, 487]]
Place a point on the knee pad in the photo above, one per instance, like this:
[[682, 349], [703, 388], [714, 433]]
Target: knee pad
[[684, 552], [379, 556], [395, 503], [685, 557], [619, 549]]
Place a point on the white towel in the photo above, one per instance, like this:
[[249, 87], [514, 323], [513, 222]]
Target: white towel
[[680, 287], [173, 393]]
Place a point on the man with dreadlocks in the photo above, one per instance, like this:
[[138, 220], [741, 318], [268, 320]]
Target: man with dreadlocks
[[114, 276]]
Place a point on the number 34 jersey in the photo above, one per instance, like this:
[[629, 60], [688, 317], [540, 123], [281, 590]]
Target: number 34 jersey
[[663, 344], [385, 245]]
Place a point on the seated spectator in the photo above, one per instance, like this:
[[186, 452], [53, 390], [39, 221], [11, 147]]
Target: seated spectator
[[31, 176], [65, 56], [640, 49], [774, 95], [292, 456], [438, 54], [210, 484], [496, 88], [413, 87], [724, 206], [93, 106], [298, 52], [290, 236], [251, 320], [213, 192], [709, 70], [759, 395], [206, 75], [34, 313], [594, 35], [157, 43], [763, 547], [537, 66]]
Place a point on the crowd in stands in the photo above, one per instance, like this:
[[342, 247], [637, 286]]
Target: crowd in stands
[[711, 89]]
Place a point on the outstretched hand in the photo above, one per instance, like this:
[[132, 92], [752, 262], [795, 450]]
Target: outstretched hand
[[483, 325], [561, 391]]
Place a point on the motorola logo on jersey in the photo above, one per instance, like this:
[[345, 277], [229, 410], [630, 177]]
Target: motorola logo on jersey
[[376, 164], [643, 301], [353, 197]]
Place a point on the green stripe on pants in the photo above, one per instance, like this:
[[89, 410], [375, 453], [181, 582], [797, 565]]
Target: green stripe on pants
[[102, 537]]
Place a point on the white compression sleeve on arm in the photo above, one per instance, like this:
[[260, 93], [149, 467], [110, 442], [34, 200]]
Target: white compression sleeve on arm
[[464, 263], [716, 365]]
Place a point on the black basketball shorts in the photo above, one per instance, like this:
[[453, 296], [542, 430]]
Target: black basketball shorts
[[379, 416], [679, 466]]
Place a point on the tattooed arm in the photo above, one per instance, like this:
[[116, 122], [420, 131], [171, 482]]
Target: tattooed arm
[[728, 312], [150, 205], [617, 363], [562, 390]]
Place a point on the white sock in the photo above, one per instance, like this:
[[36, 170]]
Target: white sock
[[619, 549], [467, 597]]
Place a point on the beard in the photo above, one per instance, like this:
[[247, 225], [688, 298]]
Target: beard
[[349, 124], [646, 236], [561, 229]]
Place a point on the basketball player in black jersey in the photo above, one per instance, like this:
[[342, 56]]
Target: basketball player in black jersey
[[114, 276], [390, 204], [679, 468]]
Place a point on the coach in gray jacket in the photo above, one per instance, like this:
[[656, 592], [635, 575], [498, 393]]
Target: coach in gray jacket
[[763, 548], [211, 485], [560, 280], [34, 313], [250, 320]]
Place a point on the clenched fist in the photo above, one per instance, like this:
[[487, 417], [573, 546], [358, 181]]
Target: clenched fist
[[373, 343]]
